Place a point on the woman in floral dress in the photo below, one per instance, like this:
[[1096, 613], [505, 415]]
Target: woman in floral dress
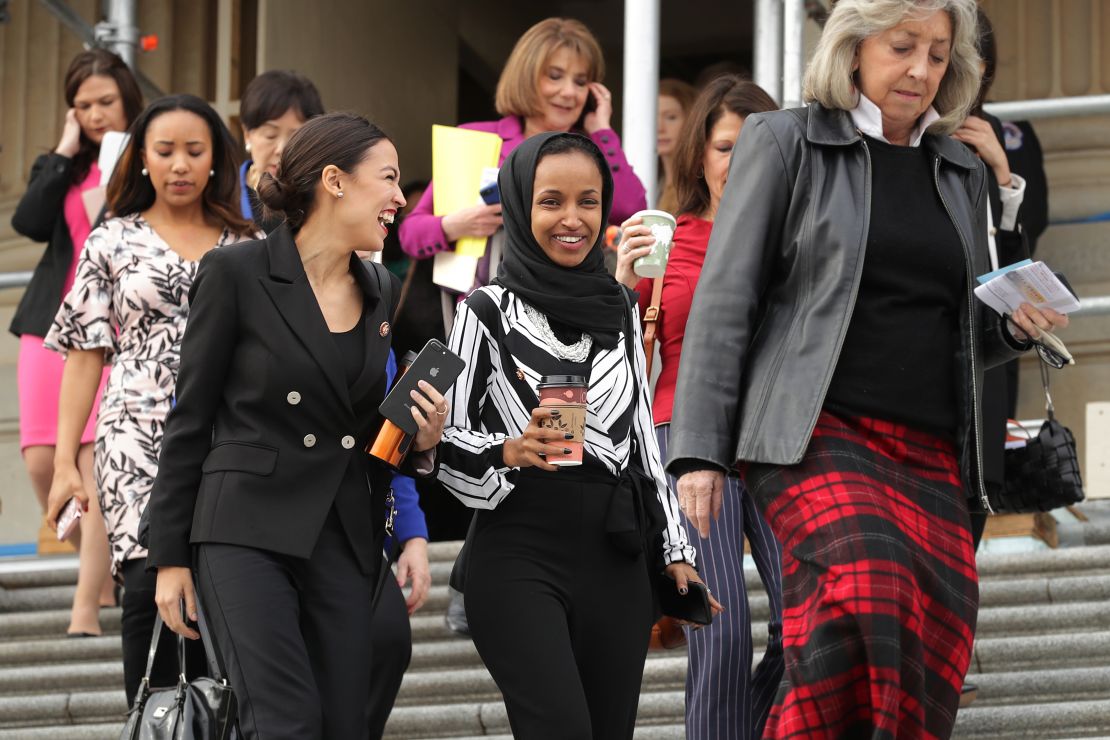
[[174, 195]]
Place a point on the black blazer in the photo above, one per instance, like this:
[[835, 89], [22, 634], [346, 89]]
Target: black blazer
[[266, 436], [40, 216]]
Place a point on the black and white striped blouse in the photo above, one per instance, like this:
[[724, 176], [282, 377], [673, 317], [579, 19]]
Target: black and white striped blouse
[[492, 402]]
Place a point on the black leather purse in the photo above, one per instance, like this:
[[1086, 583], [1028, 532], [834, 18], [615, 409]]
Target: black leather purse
[[201, 709], [1043, 474]]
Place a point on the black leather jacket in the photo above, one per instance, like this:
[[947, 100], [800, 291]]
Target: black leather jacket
[[779, 284]]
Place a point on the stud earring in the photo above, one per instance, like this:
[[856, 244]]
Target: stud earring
[[339, 194], [247, 146], [211, 173], [145, 171]]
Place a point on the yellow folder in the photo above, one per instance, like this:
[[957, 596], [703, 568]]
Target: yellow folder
[[458, 157]]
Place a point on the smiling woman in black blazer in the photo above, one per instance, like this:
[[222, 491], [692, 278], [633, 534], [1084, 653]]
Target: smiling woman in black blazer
[[264, 488]]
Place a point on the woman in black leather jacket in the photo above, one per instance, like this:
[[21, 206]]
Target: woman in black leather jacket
[[836, 352]]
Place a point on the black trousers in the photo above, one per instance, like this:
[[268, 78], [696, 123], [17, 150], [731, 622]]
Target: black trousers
[[137, 628], [391, 651], [294, 635], [559, 616]]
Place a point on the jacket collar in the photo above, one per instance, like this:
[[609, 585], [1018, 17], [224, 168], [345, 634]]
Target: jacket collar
[[292, 295], [834, 127]]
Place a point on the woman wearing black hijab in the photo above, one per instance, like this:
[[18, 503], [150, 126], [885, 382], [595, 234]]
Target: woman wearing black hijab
[[560, 615]]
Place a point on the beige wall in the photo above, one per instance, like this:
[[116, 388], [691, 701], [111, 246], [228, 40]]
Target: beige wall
[[395, 63]]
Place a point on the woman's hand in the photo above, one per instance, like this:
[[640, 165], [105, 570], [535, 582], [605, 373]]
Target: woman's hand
[[67, 484], [684, 574], [413, 563], [978, 133], [636, 242], [602, 115], [530, 449], [429, 424], [478, 221], [699, 495], [1032, 321], [70, 143], [174, 585]]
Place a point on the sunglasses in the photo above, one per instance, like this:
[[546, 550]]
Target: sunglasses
[[1051, 357]]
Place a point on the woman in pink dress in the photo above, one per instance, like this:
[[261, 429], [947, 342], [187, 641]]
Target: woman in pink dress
[[60, 208]]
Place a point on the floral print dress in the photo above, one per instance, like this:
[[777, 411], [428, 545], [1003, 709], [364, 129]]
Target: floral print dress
[[130, 298]]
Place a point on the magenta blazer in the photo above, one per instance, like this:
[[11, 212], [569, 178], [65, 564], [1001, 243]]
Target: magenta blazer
[[422, 231]]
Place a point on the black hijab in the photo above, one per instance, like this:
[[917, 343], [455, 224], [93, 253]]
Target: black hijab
[[585, 298]]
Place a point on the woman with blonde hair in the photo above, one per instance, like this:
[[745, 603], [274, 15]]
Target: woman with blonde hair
[[551, 82], [835, 353]]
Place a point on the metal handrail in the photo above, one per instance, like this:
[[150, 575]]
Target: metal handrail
[[14, 279], [1024, 110]]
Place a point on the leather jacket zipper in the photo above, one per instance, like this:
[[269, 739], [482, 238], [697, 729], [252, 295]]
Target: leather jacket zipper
[[971, 345], [858, 277]]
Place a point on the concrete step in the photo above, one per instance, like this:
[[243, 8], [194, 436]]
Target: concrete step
[[61, 708], [109, 731], [51, 623], [1035, 720], [1042, 686], [1008, 654]]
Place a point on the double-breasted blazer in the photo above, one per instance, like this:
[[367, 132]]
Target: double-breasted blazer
[[266, 435]]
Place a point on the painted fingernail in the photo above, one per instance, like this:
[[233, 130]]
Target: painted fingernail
[[682, 590], [568, 435], [566, 450]]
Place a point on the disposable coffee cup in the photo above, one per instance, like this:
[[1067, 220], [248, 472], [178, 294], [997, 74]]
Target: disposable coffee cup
[[662, 225], [567, 395]]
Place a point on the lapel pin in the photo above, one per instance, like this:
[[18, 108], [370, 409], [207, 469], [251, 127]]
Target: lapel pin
[[384, 328], [519, 374]]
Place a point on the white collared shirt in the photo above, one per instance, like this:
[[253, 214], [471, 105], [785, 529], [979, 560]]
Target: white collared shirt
[[868, 118]]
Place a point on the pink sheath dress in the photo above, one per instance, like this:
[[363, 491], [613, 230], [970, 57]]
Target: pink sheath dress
[[39, 373]]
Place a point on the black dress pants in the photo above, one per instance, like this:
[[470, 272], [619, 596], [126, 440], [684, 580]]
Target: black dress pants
[[137, 628], [294, 635], [391, 651], [560, 617]]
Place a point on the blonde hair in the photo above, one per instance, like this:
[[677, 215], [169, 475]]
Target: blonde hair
[[517, 89], [829, 78]]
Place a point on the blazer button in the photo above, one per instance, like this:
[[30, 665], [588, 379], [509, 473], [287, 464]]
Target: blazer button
[[293, 398], [310, 440], [348, 442]]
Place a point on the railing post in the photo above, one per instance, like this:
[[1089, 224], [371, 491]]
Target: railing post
[[641, 89]]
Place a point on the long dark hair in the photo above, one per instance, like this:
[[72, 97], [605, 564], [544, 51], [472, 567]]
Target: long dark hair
[[88, 64], [341, 139], [988, 52], [727, 94], [130, 191]]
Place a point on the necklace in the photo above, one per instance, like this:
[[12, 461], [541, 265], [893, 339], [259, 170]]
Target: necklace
[[577, 352]]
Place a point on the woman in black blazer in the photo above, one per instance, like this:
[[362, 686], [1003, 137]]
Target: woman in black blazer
[[264, 488]]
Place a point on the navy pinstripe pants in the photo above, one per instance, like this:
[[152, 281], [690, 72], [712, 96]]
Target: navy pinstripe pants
[[725, 700]]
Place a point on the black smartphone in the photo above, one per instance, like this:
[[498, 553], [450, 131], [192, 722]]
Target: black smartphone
[[435, 364], [693, 607], [590, 107]]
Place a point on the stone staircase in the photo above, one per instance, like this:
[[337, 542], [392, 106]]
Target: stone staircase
[[1042, 658]]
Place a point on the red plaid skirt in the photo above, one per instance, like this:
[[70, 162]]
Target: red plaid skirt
[[880, 591]]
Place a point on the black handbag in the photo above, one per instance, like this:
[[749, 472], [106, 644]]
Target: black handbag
[[1043, 474], [201, 709]]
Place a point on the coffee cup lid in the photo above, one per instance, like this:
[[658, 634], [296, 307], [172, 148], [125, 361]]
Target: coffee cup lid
[[562, 381]]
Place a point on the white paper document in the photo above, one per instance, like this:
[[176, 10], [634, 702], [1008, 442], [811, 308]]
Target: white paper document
[[1025, 282]]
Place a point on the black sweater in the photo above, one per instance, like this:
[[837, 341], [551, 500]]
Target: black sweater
[[898, 359]]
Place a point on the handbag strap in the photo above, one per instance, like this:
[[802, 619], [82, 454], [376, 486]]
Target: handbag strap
[[651, 318], [211, 654], [1049, 408]]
